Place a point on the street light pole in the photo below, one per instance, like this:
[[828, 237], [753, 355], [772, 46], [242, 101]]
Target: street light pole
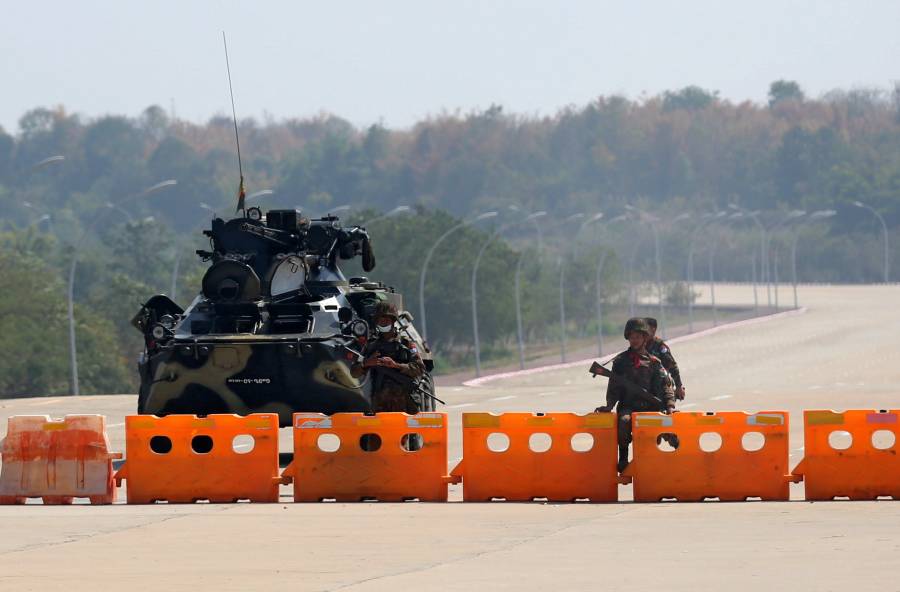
[[429, 254], [819, 215], [475, 284], [763, 242], [656, 253], [884, 230], [178, 255], [562, 281], [394, 212], [73, 351], [711, 218]]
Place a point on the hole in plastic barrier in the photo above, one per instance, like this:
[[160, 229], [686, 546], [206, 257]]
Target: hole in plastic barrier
[[840, 439], [161, 444], [710, 441], [753, 441], [202, 444], [411, 442], [329, 442], [582, 442], [883, 439], [370, 442], [540, 442], [498, 442], [666, 442], [243, 443]]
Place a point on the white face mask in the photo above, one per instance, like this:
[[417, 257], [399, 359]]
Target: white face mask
[[384, 328]]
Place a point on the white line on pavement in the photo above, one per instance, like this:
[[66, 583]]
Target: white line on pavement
[[547, 394], [47, 402], [507, 397], [720, 397], [115, 425], [686, 405], [460, 405]]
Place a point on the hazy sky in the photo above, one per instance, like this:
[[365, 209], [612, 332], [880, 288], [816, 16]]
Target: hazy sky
[[398, 61]]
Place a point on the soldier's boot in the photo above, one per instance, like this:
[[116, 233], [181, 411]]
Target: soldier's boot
[[623, 458], [672, 439]]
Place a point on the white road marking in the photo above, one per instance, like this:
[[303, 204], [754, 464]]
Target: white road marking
[[243, 446], [115, 425], [686, 405], [506, 398], [720, 397], [815, 387], [548, 394], [456, 389], [46, 402], [460, 405]]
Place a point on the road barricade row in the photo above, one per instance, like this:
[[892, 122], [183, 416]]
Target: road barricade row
[[348, 457], [547, 456], [351, 457], [56, 460], [728, 455], [185, 458], [850, 454]]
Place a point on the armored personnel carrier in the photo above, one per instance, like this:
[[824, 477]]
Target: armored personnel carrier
[[275, 327]]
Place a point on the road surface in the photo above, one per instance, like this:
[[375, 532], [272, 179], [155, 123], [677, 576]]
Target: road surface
[[839, 353]]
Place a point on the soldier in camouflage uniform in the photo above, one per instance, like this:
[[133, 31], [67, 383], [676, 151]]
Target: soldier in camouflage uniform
[[399, 356], [657, 347], [641, 369]]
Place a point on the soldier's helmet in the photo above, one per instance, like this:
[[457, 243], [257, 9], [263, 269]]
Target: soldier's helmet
[[652, 322], [386, 309], [636, 324]]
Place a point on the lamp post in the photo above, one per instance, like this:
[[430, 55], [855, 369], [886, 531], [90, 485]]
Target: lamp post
[[478, 258], [884, 230], [713, 246], [562, 281], [258, 194], [394, 212], [654, 226], [520, 331], [818, 215], [73, 353], [598, 285], [430, 253], [710, 219], [790, 217], [763, 240], [178, 254]]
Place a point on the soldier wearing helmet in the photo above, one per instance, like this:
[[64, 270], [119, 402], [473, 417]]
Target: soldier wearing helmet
[[640, 373], [388, 359], [658, 348]]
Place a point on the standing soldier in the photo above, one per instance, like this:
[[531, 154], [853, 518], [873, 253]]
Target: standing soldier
[[639, 382], [658, 348], [394, 364]]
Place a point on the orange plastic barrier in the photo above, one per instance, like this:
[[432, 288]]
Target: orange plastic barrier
[[56, 460], [185, 458], [730, 473], [350, 457], [853, 467], [578, 460]]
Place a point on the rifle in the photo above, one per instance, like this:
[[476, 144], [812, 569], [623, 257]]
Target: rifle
[[407, 382], [414, 386], [597, 370]]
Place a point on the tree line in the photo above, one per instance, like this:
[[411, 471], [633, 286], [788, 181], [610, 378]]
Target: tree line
[[685, 158]]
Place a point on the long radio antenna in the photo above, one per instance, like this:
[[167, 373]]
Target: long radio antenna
[[241, 193]]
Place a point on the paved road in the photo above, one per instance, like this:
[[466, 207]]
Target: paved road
[[839, 354]]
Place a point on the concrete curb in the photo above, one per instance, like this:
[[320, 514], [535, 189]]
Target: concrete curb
[[476, 382]]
